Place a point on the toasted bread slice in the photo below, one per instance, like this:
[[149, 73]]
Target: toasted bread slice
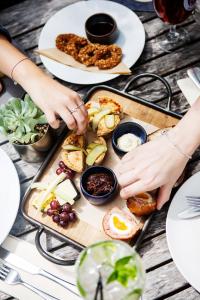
[[120, 225], [99, 141], [158, 133], [106, 102], [73, 160], [75, 140], [103, 130]]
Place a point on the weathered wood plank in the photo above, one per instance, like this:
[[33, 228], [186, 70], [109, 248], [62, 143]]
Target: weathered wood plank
[[189, 294], [162, 281], [17, 21], [10, 150], [21, 226], [26, 170], [154, 251]]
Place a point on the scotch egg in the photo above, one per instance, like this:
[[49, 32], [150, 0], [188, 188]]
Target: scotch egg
[[120, 225], [142, 204]]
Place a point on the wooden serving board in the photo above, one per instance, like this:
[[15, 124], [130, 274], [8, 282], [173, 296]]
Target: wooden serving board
[[88, 229]]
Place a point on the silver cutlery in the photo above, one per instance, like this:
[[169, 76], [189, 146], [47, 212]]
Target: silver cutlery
[[189, 213], [18, 262], [194, 74], [11, 276], [193, 209]]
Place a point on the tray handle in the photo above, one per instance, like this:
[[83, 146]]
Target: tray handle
[[46, 254], [127, 87]]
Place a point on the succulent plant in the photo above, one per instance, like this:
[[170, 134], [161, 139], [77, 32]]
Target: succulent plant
[[18, 120]]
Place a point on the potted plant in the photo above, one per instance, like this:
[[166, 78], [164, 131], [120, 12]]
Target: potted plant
[[26, 127]]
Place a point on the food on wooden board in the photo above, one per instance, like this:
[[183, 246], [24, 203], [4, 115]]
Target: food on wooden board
[[62, 168], [120, 225], [59, 188], [142, 204], [104, 115], [74, 160], [102, 56], [99, 184], [128, 142], [74, 140], [73, 153], [63, 215], [96, 151]]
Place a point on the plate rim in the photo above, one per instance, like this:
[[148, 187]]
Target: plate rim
[[112, 76], [14, 171], [170, 247]]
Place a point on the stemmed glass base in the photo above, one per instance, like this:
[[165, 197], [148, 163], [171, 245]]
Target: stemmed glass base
[[176, 37]]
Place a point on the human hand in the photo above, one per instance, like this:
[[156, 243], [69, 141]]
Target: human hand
[[56, 100], [156, 164]]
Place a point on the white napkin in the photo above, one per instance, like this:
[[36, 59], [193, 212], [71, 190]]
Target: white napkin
[[30, 253], [189, 89]]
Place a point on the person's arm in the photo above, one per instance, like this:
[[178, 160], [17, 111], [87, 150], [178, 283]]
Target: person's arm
[[52, 97], [159, 164]]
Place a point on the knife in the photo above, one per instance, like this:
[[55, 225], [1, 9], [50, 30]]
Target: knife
[[189, 213], [18, 262], [194, 74]]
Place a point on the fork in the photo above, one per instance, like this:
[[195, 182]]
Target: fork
[[11, 276], [193, 202]]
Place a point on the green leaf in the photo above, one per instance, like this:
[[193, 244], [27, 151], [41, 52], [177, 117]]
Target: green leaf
[[113, 277], [122, 261], [42, 120], [123, 278], [18, 119]]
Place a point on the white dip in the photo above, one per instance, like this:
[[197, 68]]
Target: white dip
[[128, 142]]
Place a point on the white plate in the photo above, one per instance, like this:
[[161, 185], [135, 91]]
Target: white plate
[[9, 195], [72, 19], [183, 236]]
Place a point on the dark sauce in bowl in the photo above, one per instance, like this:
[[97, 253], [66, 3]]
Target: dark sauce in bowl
[[100, 28], [99, 184]]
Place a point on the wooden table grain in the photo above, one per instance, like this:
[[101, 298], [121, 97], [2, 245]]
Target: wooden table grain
[[163, 279]]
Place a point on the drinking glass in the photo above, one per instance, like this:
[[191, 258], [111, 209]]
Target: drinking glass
[[173, 13], [110, 270]]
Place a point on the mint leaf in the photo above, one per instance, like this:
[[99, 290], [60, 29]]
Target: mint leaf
[[123, 278], [113, 276], [122, 262]]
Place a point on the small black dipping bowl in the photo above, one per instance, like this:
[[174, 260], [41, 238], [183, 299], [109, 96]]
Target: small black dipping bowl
[[102, 199], [101, 28], [127, 127]]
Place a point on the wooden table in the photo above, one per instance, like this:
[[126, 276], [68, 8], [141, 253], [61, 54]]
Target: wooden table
[[25, 21]]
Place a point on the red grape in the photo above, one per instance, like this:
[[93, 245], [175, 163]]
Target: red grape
[[69, 173], [64, 216], [63, 223], [62, 164], [56, 218], [50, 212], [59, 171], [55, 205], [72, 216], [67, 208]]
